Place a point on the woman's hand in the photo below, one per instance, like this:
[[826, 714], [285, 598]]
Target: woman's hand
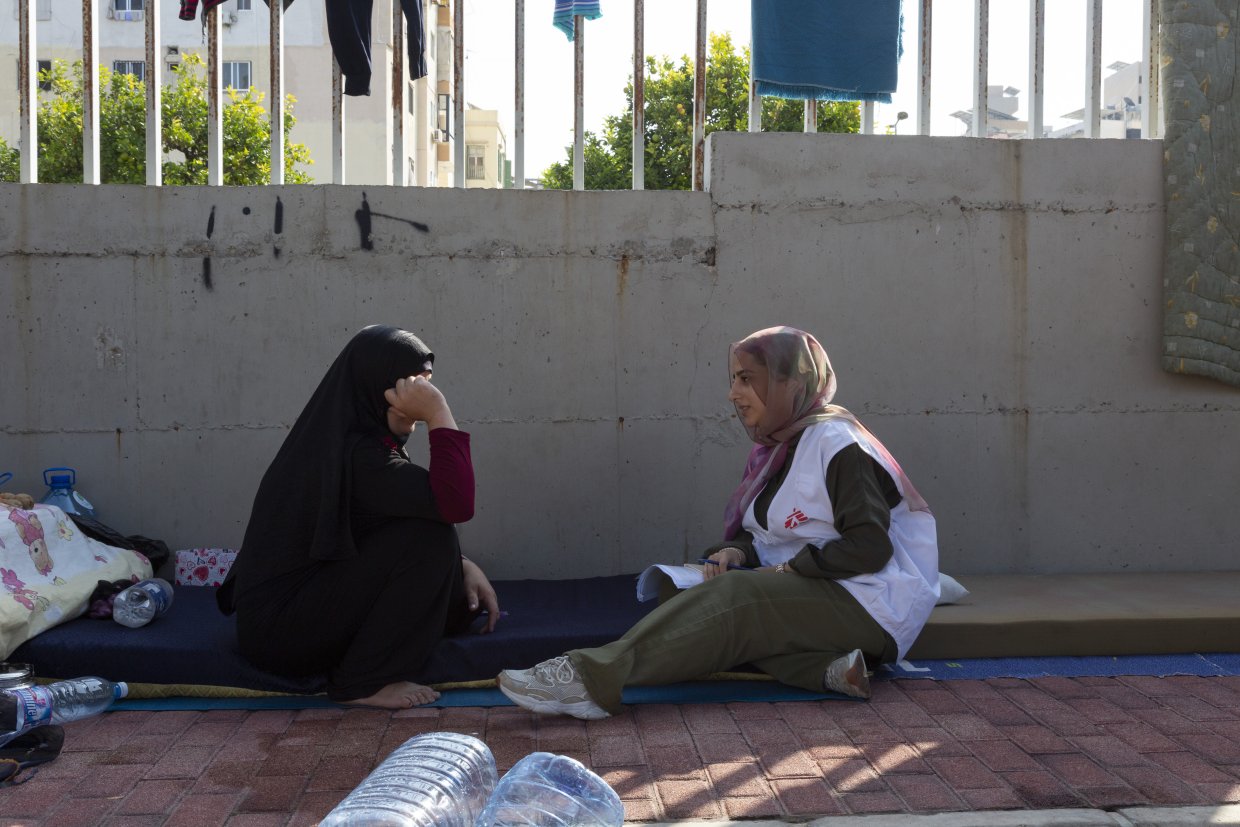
[[722, 558], [478, 592], [417, 399]]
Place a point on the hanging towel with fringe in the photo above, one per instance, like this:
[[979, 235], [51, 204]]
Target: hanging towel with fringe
[[826, 49], [566, 10]]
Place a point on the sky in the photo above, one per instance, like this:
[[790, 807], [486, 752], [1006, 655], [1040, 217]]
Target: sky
[[670, 29]]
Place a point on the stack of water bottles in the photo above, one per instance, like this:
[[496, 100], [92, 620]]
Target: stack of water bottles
[[446, 779]]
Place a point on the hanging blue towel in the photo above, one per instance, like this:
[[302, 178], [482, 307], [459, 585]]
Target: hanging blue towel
[[826, 49], [566, 10]]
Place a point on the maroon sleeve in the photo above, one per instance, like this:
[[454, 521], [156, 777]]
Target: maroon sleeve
[[452, 474]]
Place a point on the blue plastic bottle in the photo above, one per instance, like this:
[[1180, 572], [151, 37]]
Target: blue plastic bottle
[[60, 492]]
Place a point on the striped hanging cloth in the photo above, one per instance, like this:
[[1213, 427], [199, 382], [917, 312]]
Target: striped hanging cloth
[[566, 10]]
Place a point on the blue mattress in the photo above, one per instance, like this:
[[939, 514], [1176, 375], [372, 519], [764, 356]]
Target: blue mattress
[[195, 644]]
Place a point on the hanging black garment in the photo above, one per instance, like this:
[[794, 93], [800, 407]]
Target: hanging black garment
[[348, 28]]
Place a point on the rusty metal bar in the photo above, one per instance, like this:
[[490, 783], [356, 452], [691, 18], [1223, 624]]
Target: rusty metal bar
[[639, 94], [458, 92], [867, 117], [981, 67], [90, 93], [1037, 65], [579, 114], [215, 107], [518, 129], [811, 116], [699, 100], [27, 82], [923, 57], [154, 93], [276, 26], [337, 124], [1093, 67], [755, 100], [398, 175], [1150, 54]]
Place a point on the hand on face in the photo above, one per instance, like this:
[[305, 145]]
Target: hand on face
[[414, 399]]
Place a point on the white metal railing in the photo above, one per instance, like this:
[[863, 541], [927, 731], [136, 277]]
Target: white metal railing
[[27, 95]]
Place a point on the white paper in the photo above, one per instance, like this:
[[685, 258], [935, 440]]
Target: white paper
[[683, 576]]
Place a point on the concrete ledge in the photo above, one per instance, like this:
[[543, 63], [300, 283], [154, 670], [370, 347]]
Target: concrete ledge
[[1139, 613]]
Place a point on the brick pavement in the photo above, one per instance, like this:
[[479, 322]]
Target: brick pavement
[[918, 747]]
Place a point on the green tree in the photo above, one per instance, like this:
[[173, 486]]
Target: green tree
[[669, 122], [122, 129]]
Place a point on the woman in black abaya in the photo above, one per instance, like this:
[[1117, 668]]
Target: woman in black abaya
[[350, 563]]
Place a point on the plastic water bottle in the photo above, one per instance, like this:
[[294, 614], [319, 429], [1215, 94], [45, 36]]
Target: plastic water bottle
[[441, 779], [142, 602], [60, 492], [546, 790], [62, 702]]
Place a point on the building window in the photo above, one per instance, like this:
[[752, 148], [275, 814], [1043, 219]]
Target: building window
[[41, 66], [137, 68], [475, 162], [128, 9], [243, 5], [236, 74]]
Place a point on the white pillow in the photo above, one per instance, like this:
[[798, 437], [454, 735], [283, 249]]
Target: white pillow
[[950, 591]]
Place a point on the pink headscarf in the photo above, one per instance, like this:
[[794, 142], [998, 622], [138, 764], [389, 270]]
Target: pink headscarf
[[800, 387]]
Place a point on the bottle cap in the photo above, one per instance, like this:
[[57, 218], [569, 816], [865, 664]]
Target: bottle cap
[[122, 689], [16, 675]]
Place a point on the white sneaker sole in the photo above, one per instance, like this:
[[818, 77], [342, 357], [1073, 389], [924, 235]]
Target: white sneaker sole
[[584, 710]]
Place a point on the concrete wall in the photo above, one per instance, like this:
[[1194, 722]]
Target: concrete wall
[[991, 308]]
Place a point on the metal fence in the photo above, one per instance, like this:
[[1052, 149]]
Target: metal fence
[[27, 77]]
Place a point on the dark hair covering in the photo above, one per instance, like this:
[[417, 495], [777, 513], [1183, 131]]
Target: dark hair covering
[[301, 510]]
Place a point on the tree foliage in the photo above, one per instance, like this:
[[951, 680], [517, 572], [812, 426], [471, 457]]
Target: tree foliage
[[122, 129], [669, 121]]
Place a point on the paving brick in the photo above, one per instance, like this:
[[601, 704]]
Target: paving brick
[[641, 809], [894, 758], [1143, 738], [871, 733], [139, 749], [828, 743], [925, 793], [967, 727], [862, 803], [652, 714], [812, 715], [1125, 697], [309, 731], [203, 810], [226, 775], [708, 718], [1063, 687], [1190, 767], [851, 775], [35, 797], [736, 780], [1036, 739], [1214, 748], [292, 760], [558, 734], [1032, 699], [934, 741], [182, 762], [766, 732], [343, 773], [615, 750], [1195, 709], [1067, 721], [630, 782], [333, 713], [766, 806], [786, 761], [938, 701], [1150, 686], [668, 734], [1110, 751], [1041, 789], [152, 797], [73, 765], [78, 813], [1099, 710], [312, 807], [806, 797], [1220, 793], [904, 714], [1209, 689], [620, 725], [1078, 771], [171, 722], [207, 733], [752, 711], [1168, 721], [688, 799], [1159, 786], [144, 820], [1120, 795], [717, 747], [1003, 756], [999, 710], [996, 798], [258, 820], [109, 781], [372, 719], [358, 743], [247, 745], [676, 762], [273, 793], [269, 720], [964, 773]]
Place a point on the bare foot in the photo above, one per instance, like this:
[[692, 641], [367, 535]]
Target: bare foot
[[399, 695]]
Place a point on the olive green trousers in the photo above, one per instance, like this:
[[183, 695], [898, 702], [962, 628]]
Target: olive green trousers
[[791, 627]]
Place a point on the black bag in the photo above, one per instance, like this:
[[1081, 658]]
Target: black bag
[[154, 550]]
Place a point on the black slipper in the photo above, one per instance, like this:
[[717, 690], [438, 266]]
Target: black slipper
[[30, 749]]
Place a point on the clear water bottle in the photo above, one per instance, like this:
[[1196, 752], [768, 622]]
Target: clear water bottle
[[142, 602], [62, 702], [61, 493], [546, 790], [440, 779]]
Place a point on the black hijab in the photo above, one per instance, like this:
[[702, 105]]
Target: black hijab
[[301, 510]]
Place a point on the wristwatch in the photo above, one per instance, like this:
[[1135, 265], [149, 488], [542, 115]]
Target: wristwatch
[[779, 569]]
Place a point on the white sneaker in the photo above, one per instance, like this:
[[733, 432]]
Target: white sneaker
[[847, 676], [550, 688]]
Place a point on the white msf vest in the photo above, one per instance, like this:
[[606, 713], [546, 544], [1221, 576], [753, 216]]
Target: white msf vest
[[901, 595]]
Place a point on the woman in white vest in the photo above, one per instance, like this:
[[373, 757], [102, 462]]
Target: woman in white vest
[[844, 551]]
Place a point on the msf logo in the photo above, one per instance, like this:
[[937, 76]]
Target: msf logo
[[796, 518]]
